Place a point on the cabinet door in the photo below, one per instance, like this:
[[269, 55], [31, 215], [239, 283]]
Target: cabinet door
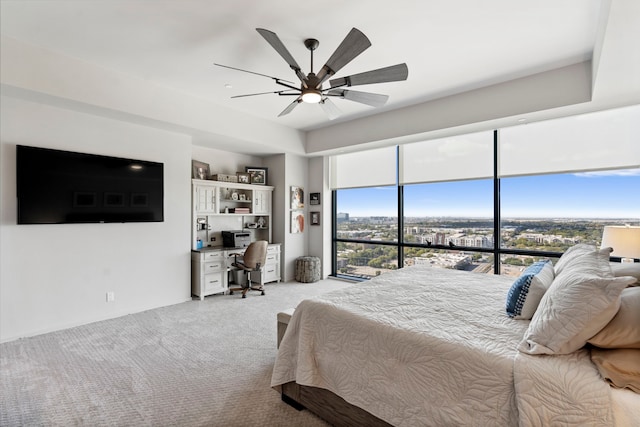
[[262, 202], [206, 199]]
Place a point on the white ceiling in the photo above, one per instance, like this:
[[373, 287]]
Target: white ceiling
[[450, 46]]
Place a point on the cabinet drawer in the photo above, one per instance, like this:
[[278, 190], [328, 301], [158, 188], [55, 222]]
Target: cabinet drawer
[[213, 256], [270, 274], [271, 259], [210, 267], [213, 283], [273, 249]]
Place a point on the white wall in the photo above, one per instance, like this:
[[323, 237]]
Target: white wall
[[320, 236], [296, 174], [57, 276]]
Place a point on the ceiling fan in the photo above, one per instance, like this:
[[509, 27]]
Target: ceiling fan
[[311, 90]]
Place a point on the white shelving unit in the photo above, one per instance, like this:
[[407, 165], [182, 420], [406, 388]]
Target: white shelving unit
[[215, 209], [219, 206]]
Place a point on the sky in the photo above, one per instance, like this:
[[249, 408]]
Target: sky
[[610, 194]]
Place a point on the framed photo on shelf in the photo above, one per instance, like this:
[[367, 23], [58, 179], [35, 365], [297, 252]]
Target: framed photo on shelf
[[243, 178], [200, 170], [297, 197], [258, 175], [314, 198], [315, 218], [297, 222]]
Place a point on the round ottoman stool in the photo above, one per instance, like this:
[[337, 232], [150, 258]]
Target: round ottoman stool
[[307, 269]]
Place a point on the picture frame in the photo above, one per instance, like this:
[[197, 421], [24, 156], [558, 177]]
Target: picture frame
[[200, 170], [297, 197], [243, 178], [315, 218], [297, 222], [314, 198], [258, 174]]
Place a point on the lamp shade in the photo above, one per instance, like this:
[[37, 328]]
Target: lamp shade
[[625, 240]]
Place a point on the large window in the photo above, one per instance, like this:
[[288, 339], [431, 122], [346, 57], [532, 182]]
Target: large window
[[366, 218], [518, 195], [449, 214]]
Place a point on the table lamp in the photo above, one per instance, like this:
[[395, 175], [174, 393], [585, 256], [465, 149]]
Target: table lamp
[[624, 239]]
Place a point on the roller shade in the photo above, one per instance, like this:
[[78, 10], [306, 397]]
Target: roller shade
[[603, 140], [370, 168], [448, 159]]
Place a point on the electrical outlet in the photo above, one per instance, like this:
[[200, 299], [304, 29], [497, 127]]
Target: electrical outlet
[[111, 296], [213, 239]]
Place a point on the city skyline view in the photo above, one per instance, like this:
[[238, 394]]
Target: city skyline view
[[611, 194]]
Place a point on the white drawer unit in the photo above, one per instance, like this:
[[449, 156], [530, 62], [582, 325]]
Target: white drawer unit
[[271, 269], [208, 273]]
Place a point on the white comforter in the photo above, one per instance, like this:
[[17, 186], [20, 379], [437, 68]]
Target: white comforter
[[426, 346]]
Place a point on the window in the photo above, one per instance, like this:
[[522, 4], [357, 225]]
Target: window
[[366, 215], [547, 185]]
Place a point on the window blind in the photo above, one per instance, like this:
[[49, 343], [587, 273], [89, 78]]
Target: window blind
[[602, 140], [448, 159], [369, 168]]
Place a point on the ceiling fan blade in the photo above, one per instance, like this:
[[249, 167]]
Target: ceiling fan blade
[[253, 72], [353, 45], [330, 108], [279, 92], [373, 99], [275, 42], [290, 107], [393, 73]]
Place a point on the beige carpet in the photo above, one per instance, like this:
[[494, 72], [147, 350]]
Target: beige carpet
[[199, 363]]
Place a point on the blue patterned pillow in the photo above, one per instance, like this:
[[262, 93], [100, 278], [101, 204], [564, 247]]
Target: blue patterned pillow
[[527, 291]]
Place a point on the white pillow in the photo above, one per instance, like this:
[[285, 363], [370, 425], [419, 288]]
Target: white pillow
[[586, 259], [626, 269], [575, 308], [624, 329], [527, 291]]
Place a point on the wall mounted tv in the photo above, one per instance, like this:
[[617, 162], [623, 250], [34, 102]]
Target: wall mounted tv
[[56, 187]]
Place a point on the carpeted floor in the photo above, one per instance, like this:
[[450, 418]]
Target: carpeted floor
[[199, 363]]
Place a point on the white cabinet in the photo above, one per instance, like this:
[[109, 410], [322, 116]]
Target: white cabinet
[[204, 198], [208, 273], [210, 269], [271, 270], [262, 202], [219, 206]]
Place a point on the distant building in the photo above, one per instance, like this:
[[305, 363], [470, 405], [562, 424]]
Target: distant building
[[540, 238], [453, 261], [342, 217]]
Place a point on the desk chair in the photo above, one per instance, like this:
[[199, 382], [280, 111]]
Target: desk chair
[[252, 262]]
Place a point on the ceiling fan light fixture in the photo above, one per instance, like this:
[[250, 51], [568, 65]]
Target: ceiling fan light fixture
[[311, 96]]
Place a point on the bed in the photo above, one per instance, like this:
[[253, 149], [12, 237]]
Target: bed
[[428, 346]]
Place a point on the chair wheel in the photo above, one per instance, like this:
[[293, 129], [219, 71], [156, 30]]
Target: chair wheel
[[262, 293], [244, 296], [230, 292]]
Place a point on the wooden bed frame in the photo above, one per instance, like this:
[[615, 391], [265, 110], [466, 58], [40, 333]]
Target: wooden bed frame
[[328, 406], [323, 403]]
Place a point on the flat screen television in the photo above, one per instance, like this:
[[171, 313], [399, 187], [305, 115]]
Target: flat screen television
[[57, 187]]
